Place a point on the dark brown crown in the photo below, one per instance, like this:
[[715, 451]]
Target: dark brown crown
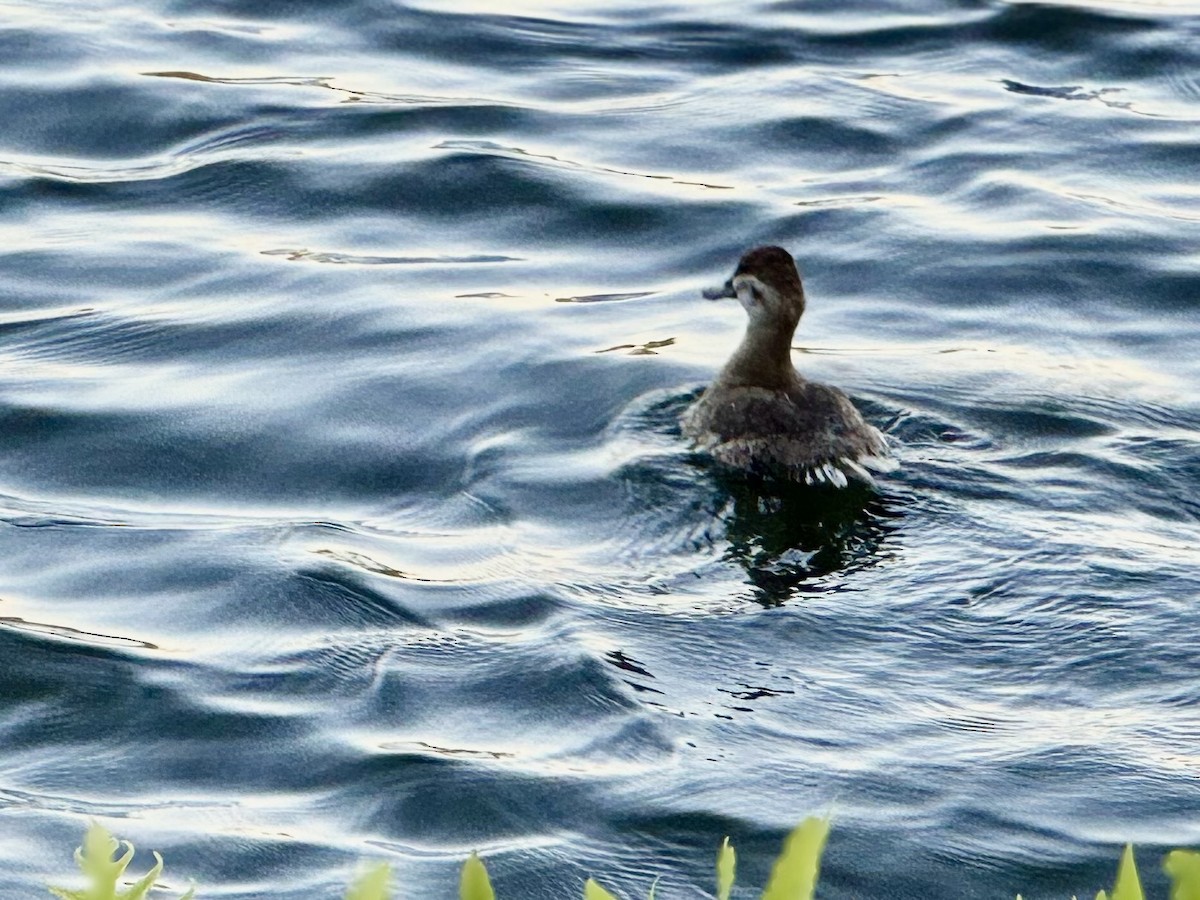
[[774, 266], [770, 265]]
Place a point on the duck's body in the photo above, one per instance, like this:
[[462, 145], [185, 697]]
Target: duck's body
[[760, 414]]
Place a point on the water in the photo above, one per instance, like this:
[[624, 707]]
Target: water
[[330, 532]]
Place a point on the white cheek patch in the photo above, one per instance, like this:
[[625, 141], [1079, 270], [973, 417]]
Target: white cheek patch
[[749, 291]]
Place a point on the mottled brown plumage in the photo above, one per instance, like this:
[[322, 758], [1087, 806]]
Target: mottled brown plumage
[[760, 414]]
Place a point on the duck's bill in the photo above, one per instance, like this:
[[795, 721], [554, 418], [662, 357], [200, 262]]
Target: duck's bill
[[724, 292]]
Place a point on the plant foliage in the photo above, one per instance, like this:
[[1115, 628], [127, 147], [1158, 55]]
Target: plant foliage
[[593, 891], [793, 877], [95, 861], [372, 884], [1128, 886], [1183, 867], [726, 869], [474, 883]]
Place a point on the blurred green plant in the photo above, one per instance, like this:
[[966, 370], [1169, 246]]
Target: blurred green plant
[[474, 883], [726, 868], [372, 884], [793, 877], [1181, 866], [1127, 886], [95, 861]]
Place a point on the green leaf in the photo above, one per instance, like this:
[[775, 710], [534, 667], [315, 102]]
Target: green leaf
[[95, 861], [593, 891], [142, 886], [1128, 886], [794, 876], [474, 883], [726, 866], [95, 857], [653, 888], [371, 884], [1183, 867]]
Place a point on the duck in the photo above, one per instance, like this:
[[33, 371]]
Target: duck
[[762, 416]]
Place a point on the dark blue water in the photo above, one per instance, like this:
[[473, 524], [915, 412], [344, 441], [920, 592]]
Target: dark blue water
[[330, 532]]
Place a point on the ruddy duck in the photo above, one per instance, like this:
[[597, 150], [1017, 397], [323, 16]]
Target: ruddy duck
[[760, 414]]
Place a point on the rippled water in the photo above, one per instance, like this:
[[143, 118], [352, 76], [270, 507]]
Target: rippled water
[[344, 509]]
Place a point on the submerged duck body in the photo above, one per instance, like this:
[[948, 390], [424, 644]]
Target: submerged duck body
[[760, 414]]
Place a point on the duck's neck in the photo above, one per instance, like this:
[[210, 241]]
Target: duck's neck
[[764, 357]]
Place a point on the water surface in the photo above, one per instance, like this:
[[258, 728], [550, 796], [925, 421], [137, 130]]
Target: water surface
[[344, 512]]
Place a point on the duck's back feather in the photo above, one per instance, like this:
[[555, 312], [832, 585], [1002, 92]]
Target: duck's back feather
[[806, 431]]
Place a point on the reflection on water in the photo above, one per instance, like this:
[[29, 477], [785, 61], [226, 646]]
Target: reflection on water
[[781, 534], [73, 634], [786, 534]]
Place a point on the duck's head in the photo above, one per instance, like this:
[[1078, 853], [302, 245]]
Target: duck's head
[[767, 285]]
